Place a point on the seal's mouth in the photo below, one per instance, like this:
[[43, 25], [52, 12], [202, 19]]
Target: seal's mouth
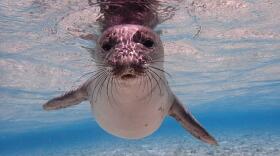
[[128, 76], [127, 73]]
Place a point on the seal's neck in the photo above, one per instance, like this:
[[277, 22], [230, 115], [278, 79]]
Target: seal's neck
[[118, 12]]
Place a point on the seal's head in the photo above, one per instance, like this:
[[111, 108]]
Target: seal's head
[[128, 50]]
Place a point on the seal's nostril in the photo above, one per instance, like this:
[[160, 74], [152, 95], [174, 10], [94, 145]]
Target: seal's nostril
[[109, 44], [138, 37], [106, 46], [148, 43]]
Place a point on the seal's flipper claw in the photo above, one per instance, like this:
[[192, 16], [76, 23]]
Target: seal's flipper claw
[[68, 99], [189, 122]]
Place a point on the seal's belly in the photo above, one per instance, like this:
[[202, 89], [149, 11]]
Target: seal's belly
[[131, 110]]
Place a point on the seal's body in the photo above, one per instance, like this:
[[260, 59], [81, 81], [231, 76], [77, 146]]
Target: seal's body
[[137, 102], [129, 93]]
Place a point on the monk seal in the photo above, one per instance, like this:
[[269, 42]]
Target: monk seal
[[129, 93]]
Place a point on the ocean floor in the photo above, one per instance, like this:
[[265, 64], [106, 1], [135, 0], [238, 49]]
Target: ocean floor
[[241, 144], [86, 138]]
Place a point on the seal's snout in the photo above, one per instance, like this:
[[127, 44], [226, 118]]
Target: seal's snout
[[127, 64], [127, 57], [129, 49]]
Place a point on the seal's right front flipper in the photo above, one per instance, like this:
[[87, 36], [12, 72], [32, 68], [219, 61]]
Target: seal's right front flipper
[[189, 122], [68, 99]]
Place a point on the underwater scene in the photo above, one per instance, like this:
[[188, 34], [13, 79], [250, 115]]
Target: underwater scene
[[221, 60]]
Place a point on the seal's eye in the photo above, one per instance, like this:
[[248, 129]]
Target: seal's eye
[[138, 37], [108, 45]]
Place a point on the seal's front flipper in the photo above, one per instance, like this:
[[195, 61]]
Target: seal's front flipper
[[189, 122], [68, 99]]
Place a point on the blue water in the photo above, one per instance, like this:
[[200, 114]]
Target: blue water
[[228, 76]]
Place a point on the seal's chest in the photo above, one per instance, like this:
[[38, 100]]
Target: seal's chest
[[135, 97], [131, 111]]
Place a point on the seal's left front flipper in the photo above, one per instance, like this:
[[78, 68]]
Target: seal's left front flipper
[[68, 99], [189, 122]]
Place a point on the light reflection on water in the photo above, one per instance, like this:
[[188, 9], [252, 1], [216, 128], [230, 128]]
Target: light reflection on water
[[231, 65]]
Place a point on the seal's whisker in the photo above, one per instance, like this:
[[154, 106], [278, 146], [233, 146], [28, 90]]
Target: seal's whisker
[[159, 78], [88, 65], [107, 88], [161, 56], [102, 84], [96, 61], [110, 86], [156, 61], [159, 61], [89, 73], [100, 87], [95, 76], [158, 57], [98, 84], [152, 75], [113, 82], [162, 70], [119, 85], [139, 79], [97, 79], [150, 81], [151, 89], [100, 65], [146, 82], [144, 85]]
